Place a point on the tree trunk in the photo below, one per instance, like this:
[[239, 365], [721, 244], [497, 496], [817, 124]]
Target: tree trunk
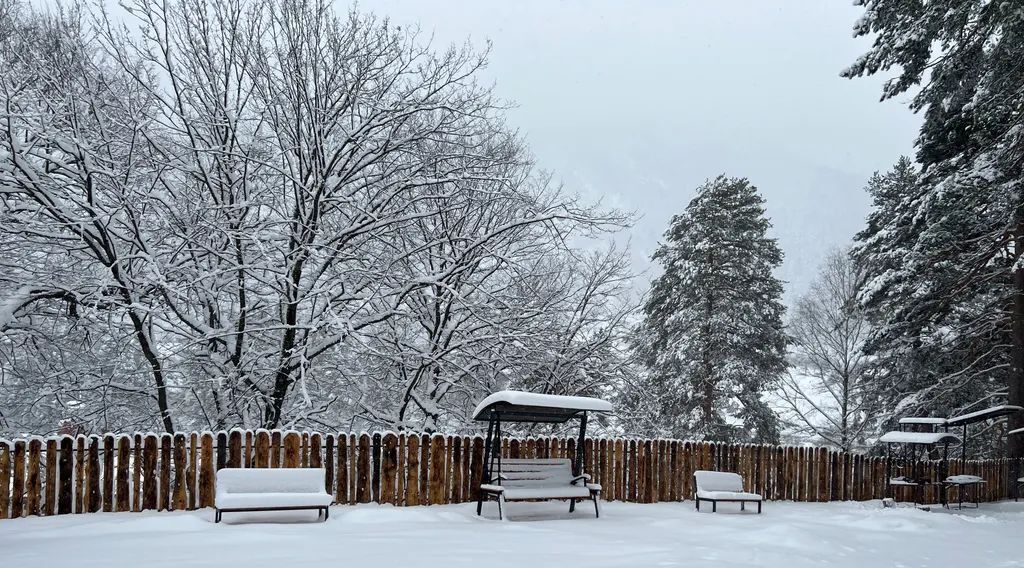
[[1015, 380]]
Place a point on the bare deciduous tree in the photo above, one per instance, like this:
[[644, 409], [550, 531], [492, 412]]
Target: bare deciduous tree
[[822, 396]]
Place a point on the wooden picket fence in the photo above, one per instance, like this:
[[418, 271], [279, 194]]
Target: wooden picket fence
[[172, 472]]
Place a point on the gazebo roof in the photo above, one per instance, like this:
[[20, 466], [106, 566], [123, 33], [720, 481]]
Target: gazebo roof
[[519, 406], [924, 438], [982, 415], [923, 420]]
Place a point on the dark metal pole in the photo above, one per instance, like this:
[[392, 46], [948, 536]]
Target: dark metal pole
[[485, 476], [578, 466], [497, 442]]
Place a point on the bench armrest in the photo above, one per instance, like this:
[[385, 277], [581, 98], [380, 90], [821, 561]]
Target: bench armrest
[[488, 488], [584, 477]]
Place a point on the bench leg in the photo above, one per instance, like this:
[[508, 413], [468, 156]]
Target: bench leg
[[216, 516], [698, 503], [327, 513], [758, 507], [572, 505], [743, 505], [714, 506], [500, 499], [480, 504], [597, 508]]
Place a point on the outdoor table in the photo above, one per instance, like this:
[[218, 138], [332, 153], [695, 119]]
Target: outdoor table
[[962, 483]]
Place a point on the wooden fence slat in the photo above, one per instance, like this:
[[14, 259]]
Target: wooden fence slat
[[80, 467], [149, 473], [5, 479], [234, 449], [124, 449], [275, 449], [316, 459], [108, 473], [477, 467], [179, 497], [193, 470], [137, 473], [65, 499], [33, 485], [206, 470], [329, 464], [400, 475], [93, 496], [436, 479], [363, 469], [50, 478], [247, 451], [389, 469], [165, 472], [375, 469], [456, 453], [425, 469], [262, 457], [341, 488], [292, 450], [412, 474]]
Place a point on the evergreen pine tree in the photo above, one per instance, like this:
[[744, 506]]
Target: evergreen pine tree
[[958, 295], [712, 338]]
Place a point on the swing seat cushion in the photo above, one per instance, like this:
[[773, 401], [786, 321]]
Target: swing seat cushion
[[525, 479]]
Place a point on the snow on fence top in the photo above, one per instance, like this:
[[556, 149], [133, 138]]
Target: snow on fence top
[[528, 399], [919, 438]]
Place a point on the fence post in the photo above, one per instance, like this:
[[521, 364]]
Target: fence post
[[67, 459], [123, 458]]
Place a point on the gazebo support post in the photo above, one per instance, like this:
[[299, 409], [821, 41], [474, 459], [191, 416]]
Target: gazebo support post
[[578, 466], [486, 474]]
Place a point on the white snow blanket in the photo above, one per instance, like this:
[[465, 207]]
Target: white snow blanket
[[722, 485], [535, 535], [259, 487]]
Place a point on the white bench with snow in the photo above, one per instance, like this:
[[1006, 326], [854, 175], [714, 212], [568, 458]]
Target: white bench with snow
[[540, 480], [716, 486], [260, 489]]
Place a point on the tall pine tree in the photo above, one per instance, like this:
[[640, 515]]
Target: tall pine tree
[[963, 274], [712, 338]]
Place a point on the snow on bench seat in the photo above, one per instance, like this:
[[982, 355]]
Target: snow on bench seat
[[718, 486], [260, 489], [539, 479]]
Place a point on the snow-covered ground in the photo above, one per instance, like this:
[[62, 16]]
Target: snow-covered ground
[[668, 534]]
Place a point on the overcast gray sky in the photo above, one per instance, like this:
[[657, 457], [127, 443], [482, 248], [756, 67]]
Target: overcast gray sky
[[640, 102]]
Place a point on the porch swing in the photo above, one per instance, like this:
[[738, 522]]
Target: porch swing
[[535, 479]]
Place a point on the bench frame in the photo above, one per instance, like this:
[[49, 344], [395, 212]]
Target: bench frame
[[714, 502], [219, 513]]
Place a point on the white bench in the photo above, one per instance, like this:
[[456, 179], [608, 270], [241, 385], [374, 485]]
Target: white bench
[[539, 479], [725, 486], [260, 489]]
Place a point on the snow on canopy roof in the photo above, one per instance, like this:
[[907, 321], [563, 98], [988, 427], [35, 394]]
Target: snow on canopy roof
[[520, 406], [896, 437], [922, 420], [980, 415]]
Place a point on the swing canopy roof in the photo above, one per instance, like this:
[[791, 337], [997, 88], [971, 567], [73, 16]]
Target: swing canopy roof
[[924, 438], [519, 406], [982, 415]]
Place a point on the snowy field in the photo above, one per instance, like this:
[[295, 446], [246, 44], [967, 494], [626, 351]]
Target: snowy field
[[538, 535]]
